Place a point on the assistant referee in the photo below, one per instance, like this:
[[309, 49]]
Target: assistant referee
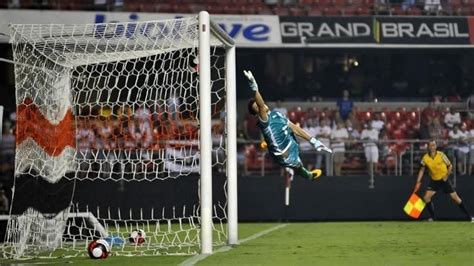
[[439, 168]]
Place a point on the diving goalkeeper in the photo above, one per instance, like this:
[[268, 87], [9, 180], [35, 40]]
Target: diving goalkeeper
[[279, 134]]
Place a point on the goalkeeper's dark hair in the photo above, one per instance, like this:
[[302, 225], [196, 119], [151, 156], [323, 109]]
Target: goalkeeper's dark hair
[[250, 107]]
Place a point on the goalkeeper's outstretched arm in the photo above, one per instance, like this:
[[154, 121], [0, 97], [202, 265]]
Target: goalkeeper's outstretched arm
[[262, 107], [318, 145], [263, 110], [299, 131]]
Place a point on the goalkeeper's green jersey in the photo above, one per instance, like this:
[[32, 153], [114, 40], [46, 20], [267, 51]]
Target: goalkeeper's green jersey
[[277, 133]]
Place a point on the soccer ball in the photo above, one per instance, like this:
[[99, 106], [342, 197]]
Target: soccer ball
[[98, 249], [137, 237], [194, 64]]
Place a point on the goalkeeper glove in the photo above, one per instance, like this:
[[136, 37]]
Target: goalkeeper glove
[[252, 83], [263, 144], [319, 146]]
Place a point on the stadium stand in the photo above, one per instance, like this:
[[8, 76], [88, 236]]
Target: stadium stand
[[281, 8], [400, 122]]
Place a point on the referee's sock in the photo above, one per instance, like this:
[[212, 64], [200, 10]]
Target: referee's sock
[[464, 209], [430, 207]]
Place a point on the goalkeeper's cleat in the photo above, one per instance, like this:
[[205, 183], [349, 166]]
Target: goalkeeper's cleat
[[316, 173]]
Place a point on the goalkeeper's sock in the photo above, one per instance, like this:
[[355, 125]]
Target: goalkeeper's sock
[[464, 209], [430, 207], [303, 172]]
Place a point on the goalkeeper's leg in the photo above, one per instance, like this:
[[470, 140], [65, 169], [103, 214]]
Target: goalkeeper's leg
[[305, 173], [292, 159], [296, 164]]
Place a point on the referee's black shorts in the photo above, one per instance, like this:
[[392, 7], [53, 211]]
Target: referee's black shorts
[[437, 185]]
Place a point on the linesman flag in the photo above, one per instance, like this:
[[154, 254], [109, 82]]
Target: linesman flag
[[414, 206]]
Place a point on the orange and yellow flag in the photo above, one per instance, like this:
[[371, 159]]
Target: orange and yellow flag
[[414, 206]]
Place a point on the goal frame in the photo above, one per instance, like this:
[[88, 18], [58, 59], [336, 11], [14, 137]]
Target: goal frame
[[206, 27]]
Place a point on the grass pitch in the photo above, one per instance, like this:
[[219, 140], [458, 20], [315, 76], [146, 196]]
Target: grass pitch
[[353, 243]]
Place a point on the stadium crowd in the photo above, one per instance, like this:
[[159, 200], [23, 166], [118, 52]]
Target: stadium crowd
[[263, 7], [362, 139], [376, 137], [367, 140]]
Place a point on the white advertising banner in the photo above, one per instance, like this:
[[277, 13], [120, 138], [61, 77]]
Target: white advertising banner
[[248, 31]]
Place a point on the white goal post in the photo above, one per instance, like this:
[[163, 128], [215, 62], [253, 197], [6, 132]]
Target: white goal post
[[205, 28], [120, 103]]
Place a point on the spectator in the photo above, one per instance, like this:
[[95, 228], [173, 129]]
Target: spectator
[[436, 130], [355, 135], [307, 151], [459, 147], [280, 108], [470, 138], [323, 133], [371, 136], [428, 112], [85, 136], [7, 153], [118, 3], [271, 2], [218, 131], [452, 118], [105, 129], [356, 132], [86, 141], [383, 145], [173, 104], [326, 118], [250, 127], [432, 6], [338, 138], [382, 6], [377, 122], [424, 132], [470, 106], [352, 122], [140, 128], [12, 116], [345, 105], [4, 203], [106, 141], [14, 4], [407, 4]]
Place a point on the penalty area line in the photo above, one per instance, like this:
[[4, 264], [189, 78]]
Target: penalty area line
[[195, 259]]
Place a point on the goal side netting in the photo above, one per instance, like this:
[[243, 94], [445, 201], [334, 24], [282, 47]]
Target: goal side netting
[[123, 127]]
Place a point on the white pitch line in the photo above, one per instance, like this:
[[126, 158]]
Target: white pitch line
[[40, 263], [195, 259]]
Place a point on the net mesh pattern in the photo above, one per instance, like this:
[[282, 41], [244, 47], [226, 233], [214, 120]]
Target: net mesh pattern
[[113, 103]]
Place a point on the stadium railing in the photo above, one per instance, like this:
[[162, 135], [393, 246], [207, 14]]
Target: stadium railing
[[396, 158]]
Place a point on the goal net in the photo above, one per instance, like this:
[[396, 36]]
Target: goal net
[[123, 127]]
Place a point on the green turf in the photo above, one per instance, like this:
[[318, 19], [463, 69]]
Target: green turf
[[384, 243]]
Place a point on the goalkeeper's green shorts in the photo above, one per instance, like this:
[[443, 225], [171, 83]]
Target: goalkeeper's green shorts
[[291, 158]]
